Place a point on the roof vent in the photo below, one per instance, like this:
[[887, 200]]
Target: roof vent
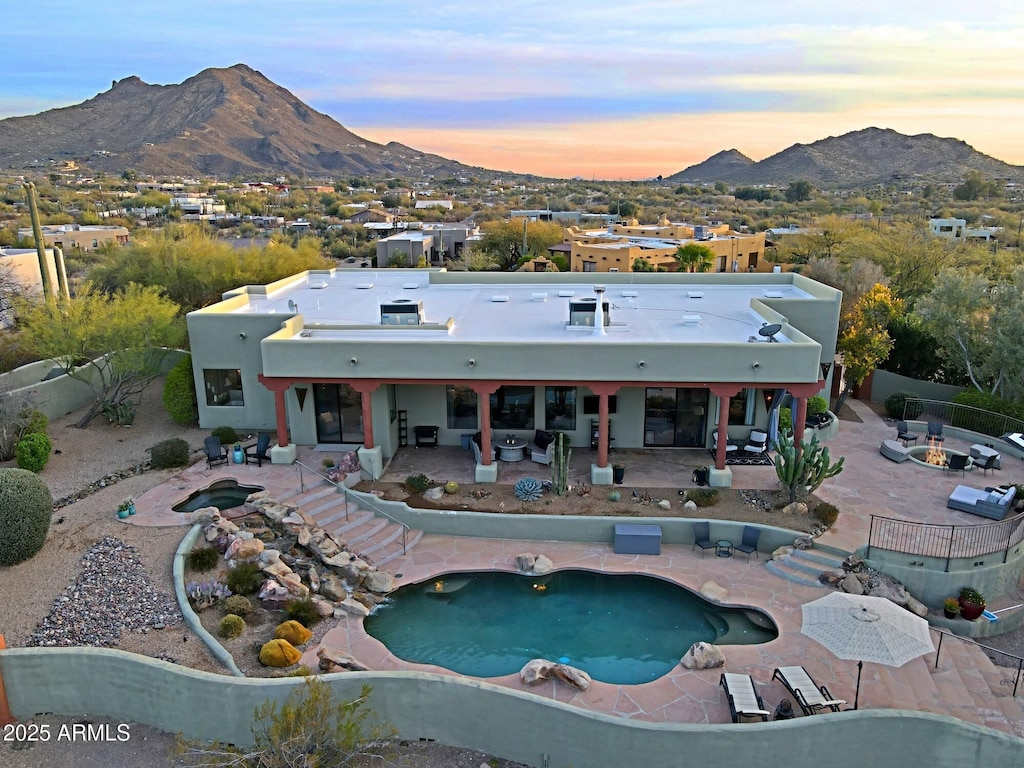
[[582, 311], [364, 286], [410, 286], [540, 296], [691, 319], [566, 293], [772, 294], [499, 298], [630, 294], [401, 312], [695, 294], [318, 285]]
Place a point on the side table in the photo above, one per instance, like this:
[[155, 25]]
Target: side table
[[723, 548]]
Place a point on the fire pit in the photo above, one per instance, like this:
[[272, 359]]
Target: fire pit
[[934, 455]]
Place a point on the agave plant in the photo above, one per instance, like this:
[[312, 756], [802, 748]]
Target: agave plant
[[528, 489]]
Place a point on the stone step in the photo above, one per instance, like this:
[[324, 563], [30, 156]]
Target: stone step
[[337, 513], [309, 497], [786, 570], [359, 535], [394, 551], [822, 560]]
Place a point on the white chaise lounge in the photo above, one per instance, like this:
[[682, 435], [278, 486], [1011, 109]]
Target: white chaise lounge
[[995, 504]]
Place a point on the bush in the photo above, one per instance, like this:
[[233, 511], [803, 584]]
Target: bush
[[180, 393], [302, 611], [785, 420], [202, 559], [417, 483], [37, 422], [896, 405], [986, 423], [26, 507], [33, 451], [240, 605], [169, 453], [816, 405], [231, 626], [826, 514], [245, 579], [703, 497], [227, 435]]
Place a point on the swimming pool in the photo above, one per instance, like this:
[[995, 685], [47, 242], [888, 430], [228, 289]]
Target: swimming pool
[[222, 494], [618, 628]]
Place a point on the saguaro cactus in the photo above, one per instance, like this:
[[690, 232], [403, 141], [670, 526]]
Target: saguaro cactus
[[805, 470], [560, 455]]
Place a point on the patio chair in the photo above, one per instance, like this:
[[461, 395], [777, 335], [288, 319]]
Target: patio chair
[[257, 454], [543, 448], [702, 537], [935, 432], [745, 705], [903, 433], [757, 442], [989, 463], [956, 462], [749, 543], [729, 446], [813, 699], [215, 452]]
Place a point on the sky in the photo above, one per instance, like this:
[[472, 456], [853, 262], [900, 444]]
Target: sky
[[562, 88]]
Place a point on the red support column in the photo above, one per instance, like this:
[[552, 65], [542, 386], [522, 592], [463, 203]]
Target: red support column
[[366, 388], [483, 391], [281, 416], [5, 709], [602, 430], [799, 417], [723, 429]]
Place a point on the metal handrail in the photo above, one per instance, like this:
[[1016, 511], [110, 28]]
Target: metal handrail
[[361, 502], [945, 541], [1020, 661], [979, 420]]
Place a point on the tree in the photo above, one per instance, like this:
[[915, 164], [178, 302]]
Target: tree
[[798, 191], [503, 240], [854, 280], [865, 342], [473, 259], [956, 313], [112, 343], [976, 186], [693, 257]]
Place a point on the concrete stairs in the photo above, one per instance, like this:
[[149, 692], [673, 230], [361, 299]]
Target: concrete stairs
[[377, 540], [804, 565]]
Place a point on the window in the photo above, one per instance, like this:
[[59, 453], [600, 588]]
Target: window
[[512, 408], [223, 386], [741, 408], [560, 408], [590, 266], [462, 411]]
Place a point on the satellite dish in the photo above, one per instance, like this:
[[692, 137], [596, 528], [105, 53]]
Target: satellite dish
[[291, 306], [769, 330]]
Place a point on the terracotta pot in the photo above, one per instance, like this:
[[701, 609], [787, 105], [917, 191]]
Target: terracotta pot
[[971, 611]]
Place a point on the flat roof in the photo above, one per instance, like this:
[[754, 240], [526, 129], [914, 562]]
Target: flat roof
[[346, 305]]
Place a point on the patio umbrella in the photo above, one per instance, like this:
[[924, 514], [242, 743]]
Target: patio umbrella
[[863, 628]]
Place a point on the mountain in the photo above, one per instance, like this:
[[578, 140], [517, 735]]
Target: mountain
[[858, 158], [220, 122]]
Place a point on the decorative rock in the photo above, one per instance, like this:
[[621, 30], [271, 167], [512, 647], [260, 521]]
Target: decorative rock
[[275, 512], [665, 504], [796, 508], [332, 660], [703, 656], [271, 589], [714, 591], [245, 535], [543, 564], [525, 561], [852, 585], [279, 653], [340, 560], [853, 563], [379, 581], [269, 556], [293, 583], [434, 494], [803, 542], [314, 579], [248, 549], [536, 671], [332, 587], [232, 550], [293, 632], [781, 552], [916, 606], [574, 678], [277, 569], [257, 496], [324, 608], [354, 607], [305, 535], [690, 505]]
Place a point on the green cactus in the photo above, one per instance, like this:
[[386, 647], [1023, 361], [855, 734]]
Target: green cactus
[[560, 456], [527, 489], [804, 471]]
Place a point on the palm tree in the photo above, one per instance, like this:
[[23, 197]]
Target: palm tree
[[694, 258]]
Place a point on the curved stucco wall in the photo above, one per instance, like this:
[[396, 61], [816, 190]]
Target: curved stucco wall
[[511, 724]]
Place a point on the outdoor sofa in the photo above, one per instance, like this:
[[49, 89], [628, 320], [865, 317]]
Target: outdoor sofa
[[995, 504]]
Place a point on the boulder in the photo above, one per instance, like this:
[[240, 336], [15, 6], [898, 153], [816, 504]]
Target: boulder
[[279, 653], [690, 505], [703, 656], [714, 592], [852, 585], [332, 660], [781, 552], [796, 508], [232, 551], [525, 561], [293, 583], [277, 569], [379, 581], [304, 535], [853, 563], [340, 560], [916, 606], [271, 589], [324, 608], [257, 496], [574, 678], [543, 564], [248, 549], [665, 504], [293, 632], [536, 671], [314, 579], [268, 556], [803, 542], [332, 587], [275, 512], [434, 494], [354, 607]]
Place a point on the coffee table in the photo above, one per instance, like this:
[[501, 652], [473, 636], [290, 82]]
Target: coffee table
[[512, 450]]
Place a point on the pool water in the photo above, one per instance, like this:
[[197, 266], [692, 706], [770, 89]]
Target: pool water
[[624, 629], [222, 494]]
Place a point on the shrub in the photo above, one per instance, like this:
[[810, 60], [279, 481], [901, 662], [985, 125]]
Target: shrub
[[231, 626], [302, 611], [169, 453], [180, 393], [327, 462], [826, 514], [896, 405], [37, 421], [703, 497], [785, 420], [816, 405], [26, 507], [293, 631], [227, 435], [245, 579], [417, 483], [971, 595], [986, 423], [240, 605], [33, 451], [527, 489], [202, 558]]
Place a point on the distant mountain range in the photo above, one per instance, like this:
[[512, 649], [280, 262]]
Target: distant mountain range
[[221, 122], [235, 122], [859, 158]]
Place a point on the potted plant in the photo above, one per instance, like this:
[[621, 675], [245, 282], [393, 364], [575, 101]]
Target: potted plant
[[618, 473], [125, 507], [950, 607], [972, 603], [239, 454]]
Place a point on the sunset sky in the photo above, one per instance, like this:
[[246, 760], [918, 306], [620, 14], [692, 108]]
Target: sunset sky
[[563, 87]]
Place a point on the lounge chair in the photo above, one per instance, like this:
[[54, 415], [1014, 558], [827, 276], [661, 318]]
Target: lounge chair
[[744, 704], [903, 433], [215, 452], [730, 447], [702, 537], [749, 543], [257, 454], [757, 442], [813, 699]]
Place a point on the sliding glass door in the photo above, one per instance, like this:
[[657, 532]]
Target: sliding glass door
[[675, 418], [339, 413]]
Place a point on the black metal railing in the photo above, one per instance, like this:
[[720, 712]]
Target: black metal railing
[[1001, 659], [962, 416], [945, 541]]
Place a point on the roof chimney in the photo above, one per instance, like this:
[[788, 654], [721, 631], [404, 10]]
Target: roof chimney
[[599, 312]]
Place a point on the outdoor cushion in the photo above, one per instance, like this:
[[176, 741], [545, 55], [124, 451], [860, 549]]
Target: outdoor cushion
[[543, 439], [994, 497]]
